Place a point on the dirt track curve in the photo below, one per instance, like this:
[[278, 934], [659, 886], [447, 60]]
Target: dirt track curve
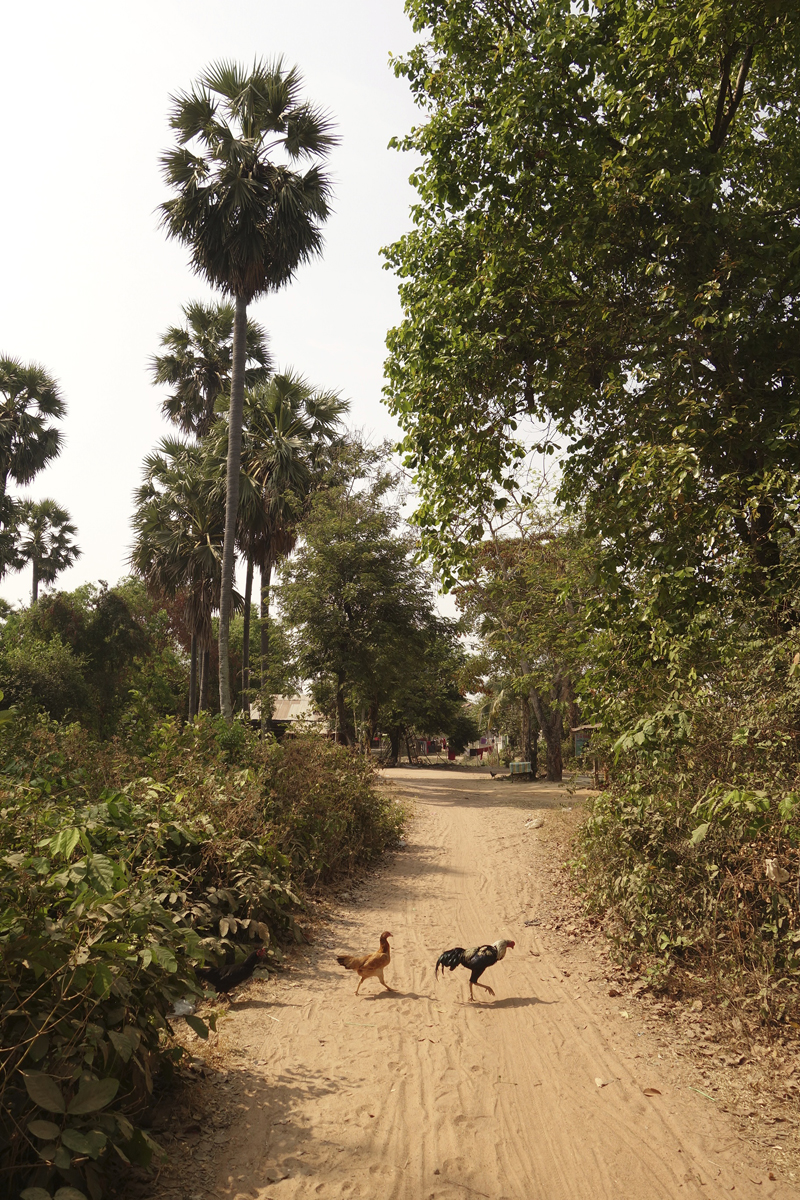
[[420, 1095]]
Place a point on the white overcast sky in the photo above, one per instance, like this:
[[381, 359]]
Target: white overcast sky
[[89, 281]]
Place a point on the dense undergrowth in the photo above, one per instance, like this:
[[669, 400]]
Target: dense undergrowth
[[693, 854], [121, 870]]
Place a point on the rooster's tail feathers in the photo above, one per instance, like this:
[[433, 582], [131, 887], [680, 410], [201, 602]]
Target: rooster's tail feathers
[[346, 960], [450, 958]]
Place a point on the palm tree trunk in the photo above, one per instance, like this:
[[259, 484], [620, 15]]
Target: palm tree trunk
[[193, 679], [248, 596], [205, 672], [231, 504], [35, 583], [266, 574]]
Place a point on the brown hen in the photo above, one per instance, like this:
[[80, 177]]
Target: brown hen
[[369, 966]]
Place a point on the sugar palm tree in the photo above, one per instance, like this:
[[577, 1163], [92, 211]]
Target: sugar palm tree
[[29, 402], [249, 217], [46, 541], [178, 525], [196, 363], [288, 425]]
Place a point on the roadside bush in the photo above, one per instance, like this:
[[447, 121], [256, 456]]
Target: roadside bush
[[44, 674], [117, 875], [80, 655], [693, 855]]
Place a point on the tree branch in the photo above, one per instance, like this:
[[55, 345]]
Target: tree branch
[[724, 117]]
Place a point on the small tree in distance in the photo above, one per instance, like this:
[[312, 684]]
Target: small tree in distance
[[46, 541], [29, 401]]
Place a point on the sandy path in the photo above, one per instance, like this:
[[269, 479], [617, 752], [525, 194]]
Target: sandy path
[[420, 1095]]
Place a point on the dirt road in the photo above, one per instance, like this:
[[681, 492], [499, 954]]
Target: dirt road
[[420, 1095]]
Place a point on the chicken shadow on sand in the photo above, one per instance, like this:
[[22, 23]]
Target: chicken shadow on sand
[[394, 994], [508, 1002]]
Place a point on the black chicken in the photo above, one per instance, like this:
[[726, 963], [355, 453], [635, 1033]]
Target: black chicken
[[476, 960], [228, 978]]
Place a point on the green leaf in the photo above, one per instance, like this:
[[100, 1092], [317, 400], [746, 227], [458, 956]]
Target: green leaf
[[91, 1143], [96, 1141], [34, 1193], [93, 1095], [700, 833], [75, 1140], [62, 1158], [39, 1047], [44, 1091], [102, 873], [121, 1044], [65, 841], [103, 980], [44, 1129], [200, 1027], [164, 957], [69, 1193]]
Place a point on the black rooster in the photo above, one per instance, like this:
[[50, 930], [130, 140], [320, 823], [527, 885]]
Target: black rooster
[[475, 960], [228, 978]]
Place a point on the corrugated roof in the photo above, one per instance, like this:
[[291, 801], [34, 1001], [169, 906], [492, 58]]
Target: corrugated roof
[[289, 708]]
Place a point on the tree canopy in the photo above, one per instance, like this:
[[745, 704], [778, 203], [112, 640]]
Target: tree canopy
[[362, 612], [606, 238]]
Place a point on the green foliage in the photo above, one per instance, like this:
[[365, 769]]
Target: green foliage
[[524, 592], [705, 796], [605, 237], [362, 614], [117, 875], [82, 655], [461, 730], [44, 674]]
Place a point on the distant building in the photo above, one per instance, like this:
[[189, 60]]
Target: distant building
[[288, 710]]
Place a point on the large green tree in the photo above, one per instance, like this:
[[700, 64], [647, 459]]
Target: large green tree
[[249, 218], [607, 237], [362, 613], [195, 361], [525, 597], [30, 401]]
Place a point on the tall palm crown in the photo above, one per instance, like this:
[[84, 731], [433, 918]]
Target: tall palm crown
[[29, 401], [287, 424], [178, 522], [248, 220], [178, 526], [46, 540], [196, 363]]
